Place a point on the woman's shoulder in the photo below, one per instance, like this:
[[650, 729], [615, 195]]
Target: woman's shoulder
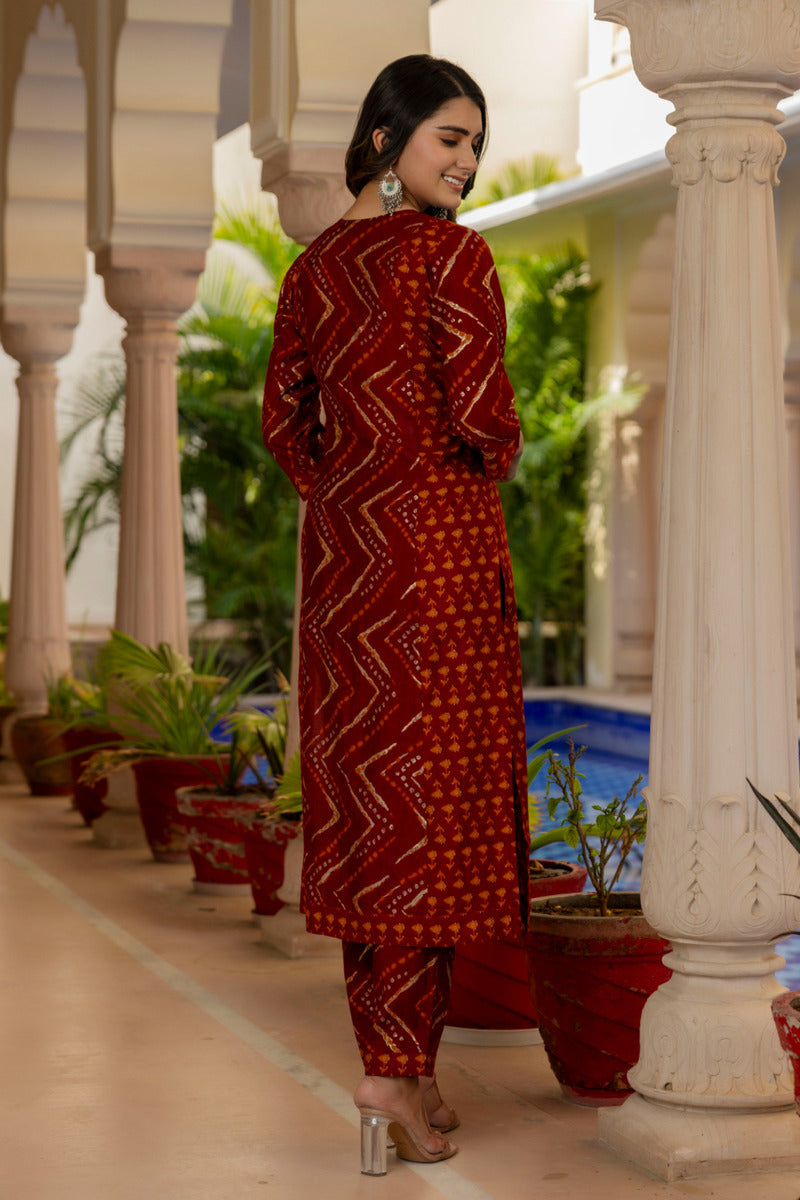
[[432, 245], [447, 240]]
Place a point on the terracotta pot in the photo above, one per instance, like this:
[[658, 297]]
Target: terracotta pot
[[157, 782], [34, 739], [786, 1014], [265, 842], [590, 978], [490, 979], [214, 826], [81, 741]]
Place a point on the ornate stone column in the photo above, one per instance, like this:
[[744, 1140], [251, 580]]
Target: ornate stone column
[[714, 1092], [635, 522], [792, 415], [38, 641], [151, 289], [637, 462], [791, 395]]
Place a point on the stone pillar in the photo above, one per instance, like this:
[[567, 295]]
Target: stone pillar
[[792, 415], [151, 288], [635, 523], [38, 641], [637, 465], [713, 1089]]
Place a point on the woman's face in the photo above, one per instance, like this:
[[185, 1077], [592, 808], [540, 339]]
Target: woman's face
[[440, 156]]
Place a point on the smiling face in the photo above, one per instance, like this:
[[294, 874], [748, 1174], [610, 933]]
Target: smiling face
[[440, 156]]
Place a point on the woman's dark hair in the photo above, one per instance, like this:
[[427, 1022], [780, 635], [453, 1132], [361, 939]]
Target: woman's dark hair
[[407, 92]]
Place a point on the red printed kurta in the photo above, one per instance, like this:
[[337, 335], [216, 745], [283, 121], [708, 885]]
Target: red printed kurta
[[387, 404]]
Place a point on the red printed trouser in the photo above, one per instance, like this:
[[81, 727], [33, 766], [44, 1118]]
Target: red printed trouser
[[398, 1001]]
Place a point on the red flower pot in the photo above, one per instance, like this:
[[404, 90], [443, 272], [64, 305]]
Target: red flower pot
[[215, 835], [80, 742], [157, 781], [490, 979], [590, 978], [265, 842], [786, 1014], [36, 738]]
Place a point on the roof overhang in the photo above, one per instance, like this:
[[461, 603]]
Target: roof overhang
[[645, 181]]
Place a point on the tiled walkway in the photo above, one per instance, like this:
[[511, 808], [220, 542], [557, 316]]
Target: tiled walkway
[[154, 1049]]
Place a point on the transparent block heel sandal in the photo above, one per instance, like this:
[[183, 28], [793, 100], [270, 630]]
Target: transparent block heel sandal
[[374, 1131], [376, 1127]]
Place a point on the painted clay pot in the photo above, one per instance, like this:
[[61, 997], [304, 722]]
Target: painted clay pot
[[786, 1014], [157, 782], [265, 842], [37, 738], [490, 988], [590, 978], [80, 742], [214, 825]]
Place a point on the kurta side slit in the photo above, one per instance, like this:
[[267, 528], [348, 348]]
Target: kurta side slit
[[387, 404]]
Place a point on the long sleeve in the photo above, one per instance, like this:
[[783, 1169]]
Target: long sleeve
[[290, 422], [469, 327]]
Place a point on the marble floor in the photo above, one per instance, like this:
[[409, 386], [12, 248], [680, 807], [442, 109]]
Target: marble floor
[[153, 1048]]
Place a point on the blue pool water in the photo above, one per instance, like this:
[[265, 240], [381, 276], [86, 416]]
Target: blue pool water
[[617, 751]]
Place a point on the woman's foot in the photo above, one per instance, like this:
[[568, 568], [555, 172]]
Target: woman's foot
[[440, 1115], [401, 1098]]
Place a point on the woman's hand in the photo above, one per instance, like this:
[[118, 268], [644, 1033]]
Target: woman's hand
[[512, 467]]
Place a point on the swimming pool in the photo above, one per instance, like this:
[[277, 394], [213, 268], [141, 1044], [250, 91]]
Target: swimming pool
[[617, 751]]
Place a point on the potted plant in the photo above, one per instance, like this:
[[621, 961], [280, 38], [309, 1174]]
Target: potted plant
[[217, 815], [82, 705], [268, 832], [37, 741], [786, 1006], [490, 999], [593, 957], [165, 709]]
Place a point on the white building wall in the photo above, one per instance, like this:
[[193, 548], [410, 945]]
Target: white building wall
[[526, 55], [619, 119]]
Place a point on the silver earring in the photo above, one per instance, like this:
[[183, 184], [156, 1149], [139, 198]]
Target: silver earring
[[390, 191]]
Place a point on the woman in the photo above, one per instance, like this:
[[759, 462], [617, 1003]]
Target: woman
[[387, 404]]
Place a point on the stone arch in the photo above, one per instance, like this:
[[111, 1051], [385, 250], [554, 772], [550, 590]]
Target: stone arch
[[637, 462], [45, 193], [155, 185]]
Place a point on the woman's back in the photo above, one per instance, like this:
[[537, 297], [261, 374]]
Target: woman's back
[[403, 323]]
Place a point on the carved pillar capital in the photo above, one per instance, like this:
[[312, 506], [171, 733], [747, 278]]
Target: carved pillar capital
[[701, 41], [311, 191], [725, 65], [147, 284], [37, 335]]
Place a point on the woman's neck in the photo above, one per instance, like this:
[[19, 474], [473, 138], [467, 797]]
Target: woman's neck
[[368, 204]]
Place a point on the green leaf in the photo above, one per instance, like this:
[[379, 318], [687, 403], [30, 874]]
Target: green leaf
[[786, 829], [289, 793]]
